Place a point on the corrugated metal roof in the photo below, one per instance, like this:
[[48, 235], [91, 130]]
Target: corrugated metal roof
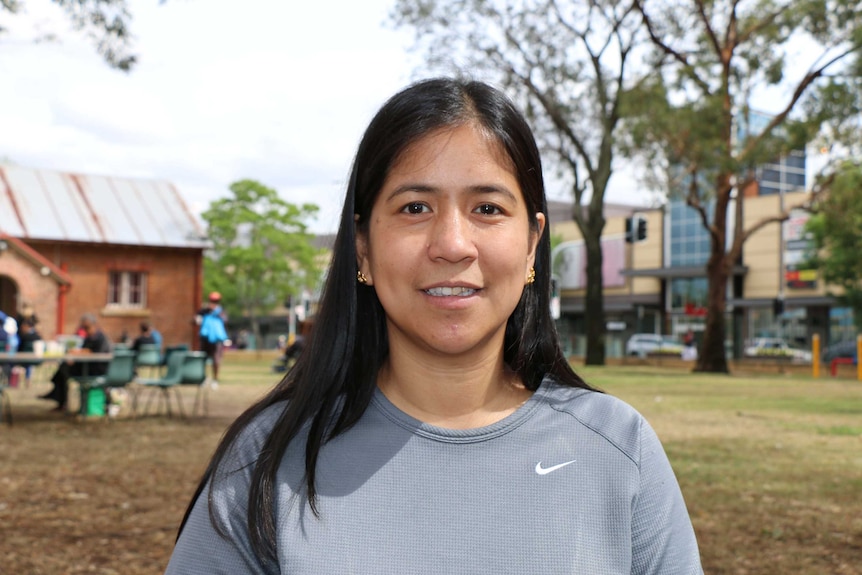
[[50, 205]]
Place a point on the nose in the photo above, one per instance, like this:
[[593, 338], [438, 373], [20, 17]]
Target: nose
[[451, 237]]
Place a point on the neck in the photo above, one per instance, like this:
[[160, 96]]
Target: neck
[[461, 393]]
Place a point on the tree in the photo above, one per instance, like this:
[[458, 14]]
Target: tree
[[714, 58], [261, 250], [567, 63], [835, 227], [104, 22]]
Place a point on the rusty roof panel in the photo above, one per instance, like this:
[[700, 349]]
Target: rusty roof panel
[[50, 205]]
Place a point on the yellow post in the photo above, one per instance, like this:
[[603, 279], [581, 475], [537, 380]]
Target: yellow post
[[859, 357], [815, 355]]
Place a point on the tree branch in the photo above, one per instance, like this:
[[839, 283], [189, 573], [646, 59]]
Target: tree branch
[[667, 50], [803, 85]]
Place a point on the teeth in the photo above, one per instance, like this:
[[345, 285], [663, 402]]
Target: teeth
[[446, 291]]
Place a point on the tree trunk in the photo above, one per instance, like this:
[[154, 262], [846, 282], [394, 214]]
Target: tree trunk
[[712, 357], [594, 307], [255, 329]]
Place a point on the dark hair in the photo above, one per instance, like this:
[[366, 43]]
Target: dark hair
[[145, 326], [332, 383]]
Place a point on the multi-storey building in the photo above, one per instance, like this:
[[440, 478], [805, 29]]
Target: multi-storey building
[[659, 285]]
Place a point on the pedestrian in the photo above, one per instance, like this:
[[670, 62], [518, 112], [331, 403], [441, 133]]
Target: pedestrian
[[212, 332], [27, 338], [432, 424]]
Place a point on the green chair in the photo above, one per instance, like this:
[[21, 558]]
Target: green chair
[[169, 350], [194, 372], [150, 356], [121, 372], [164, 384]]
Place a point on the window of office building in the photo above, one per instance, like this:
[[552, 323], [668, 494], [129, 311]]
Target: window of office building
[[784, 175], [127, 289], [689, 240], [841, 326], [688, 294]]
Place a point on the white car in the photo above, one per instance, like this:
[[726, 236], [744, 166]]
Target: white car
[[776, 347], [642, 344]]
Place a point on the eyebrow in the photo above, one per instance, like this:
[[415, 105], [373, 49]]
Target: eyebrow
[[426, 189]]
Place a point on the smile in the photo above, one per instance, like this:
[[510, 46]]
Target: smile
[[450, 291]]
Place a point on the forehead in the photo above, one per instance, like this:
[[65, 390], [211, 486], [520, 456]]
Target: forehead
[[470, 137]]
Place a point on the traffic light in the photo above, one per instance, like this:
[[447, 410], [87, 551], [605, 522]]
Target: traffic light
[[635, 229]]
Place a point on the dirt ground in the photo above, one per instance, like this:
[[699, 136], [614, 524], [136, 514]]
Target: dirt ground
[[101, 496], [772, 478]]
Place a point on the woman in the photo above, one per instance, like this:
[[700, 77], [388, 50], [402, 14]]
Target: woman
[[433, 425]]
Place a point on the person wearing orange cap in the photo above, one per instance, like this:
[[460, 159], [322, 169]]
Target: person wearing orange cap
[[211, 318]]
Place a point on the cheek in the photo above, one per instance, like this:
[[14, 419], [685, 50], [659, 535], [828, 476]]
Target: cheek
[[511, 254], [391, 256]]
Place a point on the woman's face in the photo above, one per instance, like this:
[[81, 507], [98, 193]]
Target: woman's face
[[448, 245]]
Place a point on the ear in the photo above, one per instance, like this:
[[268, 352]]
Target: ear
[[535, 235], [362, 263]]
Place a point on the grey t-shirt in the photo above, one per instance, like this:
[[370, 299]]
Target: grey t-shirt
[[573, 482]]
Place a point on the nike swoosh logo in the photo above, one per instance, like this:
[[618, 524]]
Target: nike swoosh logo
[[545, 470]]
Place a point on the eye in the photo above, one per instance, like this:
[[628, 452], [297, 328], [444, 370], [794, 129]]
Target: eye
[[488, 210], [415, 208]]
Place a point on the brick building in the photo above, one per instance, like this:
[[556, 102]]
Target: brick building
[[127, 250]]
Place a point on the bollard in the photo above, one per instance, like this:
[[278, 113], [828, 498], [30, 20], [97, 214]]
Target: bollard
[[815, 355], [859, 357]]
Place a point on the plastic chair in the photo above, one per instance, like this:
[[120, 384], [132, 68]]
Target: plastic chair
[[171, 349], [150, 356], [194, 372], [164, 384], [121, 372]]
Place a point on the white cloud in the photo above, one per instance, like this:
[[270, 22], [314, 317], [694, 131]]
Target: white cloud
[[274, 91]]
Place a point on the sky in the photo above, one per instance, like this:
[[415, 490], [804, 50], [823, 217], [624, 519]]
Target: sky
[[279, 92]]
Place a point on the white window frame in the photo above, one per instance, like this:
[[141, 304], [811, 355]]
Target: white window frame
[[123, 299]]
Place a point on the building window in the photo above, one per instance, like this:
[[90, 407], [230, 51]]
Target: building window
[[127, 289], [690, 242], [688, 295]]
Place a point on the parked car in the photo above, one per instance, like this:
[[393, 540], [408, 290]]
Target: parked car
[[776, 347], [843, 349], [642, 344]]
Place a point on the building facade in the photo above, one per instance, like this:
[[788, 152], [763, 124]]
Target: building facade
[[127, 250], [660, 285]]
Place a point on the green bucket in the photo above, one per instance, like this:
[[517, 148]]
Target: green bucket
[[95, 403]]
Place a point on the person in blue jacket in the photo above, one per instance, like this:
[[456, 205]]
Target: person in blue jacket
[[212, 332]]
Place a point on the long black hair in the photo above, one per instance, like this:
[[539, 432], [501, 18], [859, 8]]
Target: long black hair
[[333, 381]]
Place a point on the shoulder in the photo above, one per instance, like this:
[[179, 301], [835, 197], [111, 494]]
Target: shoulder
[[609, 417], [246, 446]]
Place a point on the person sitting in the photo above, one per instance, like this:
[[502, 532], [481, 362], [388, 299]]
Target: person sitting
[[293, 351], [95, 341], [146, 337], [27, 314]]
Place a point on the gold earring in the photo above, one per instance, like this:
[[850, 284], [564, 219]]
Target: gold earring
[[360, 277], [531, 277]]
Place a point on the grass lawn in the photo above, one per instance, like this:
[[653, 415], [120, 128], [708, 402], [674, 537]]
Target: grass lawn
[[771, 468]]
